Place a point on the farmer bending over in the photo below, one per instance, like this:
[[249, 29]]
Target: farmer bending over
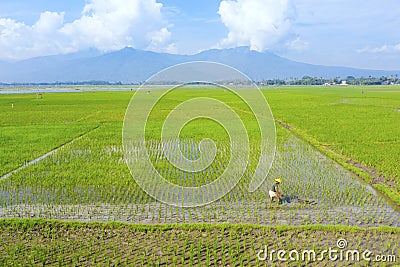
[[274, 192]]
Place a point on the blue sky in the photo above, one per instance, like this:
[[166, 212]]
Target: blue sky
[[357, 33]]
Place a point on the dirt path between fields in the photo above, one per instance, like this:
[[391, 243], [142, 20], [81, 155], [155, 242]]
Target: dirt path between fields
[[7, 175], [377, 178]]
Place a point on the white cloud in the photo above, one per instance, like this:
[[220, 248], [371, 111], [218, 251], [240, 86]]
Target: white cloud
[[297, 45], [158, 41], [260, 24], [381, 49], [104, 24], [18, 40]]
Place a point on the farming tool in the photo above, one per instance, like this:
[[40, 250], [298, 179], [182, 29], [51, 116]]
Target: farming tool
[[296, 199]]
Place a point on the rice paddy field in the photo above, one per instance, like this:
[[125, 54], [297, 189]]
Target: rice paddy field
[[67, 196]]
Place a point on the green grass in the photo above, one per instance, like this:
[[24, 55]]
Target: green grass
[[88, 180], [23, 143], [351, 125], [358, 126], [38, 242], [31, 223], [89, 175], [390, 192], [36, 126]]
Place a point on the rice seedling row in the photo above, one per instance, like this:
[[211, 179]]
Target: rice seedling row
[[88, 180], [106, 191], [55, 243]]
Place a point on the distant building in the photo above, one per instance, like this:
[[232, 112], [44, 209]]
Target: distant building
[[344, 82]]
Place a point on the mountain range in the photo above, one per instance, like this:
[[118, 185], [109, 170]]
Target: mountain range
[[130, 65]]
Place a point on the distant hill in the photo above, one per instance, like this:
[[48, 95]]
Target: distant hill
[[131, 65]]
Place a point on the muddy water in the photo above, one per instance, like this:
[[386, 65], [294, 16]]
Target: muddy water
[[237, 213]]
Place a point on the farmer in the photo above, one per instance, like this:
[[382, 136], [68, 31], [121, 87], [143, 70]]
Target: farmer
[[274, 192]]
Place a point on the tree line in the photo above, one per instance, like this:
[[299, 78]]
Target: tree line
[[349, 80], [306, 80]]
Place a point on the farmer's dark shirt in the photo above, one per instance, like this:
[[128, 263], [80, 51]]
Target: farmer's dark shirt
[[274, 188]]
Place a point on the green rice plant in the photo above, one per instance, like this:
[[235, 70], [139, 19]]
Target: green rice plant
[[88, 179]]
